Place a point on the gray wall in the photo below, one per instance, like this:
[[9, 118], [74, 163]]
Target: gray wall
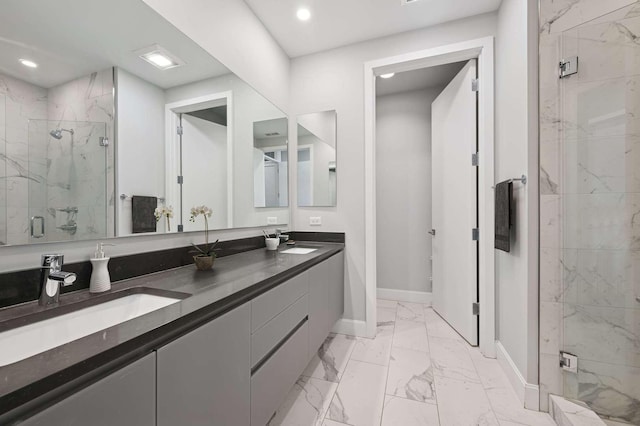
[[403, 189], [516, 146], [338, 83]]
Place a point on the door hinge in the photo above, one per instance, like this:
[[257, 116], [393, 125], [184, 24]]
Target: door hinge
[[569, 362], [180, 180], [475, 234], [179, 130], [475, 85], [475, 159], [103, 141], [475, 308], [568, 67]]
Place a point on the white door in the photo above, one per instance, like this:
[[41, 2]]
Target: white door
[[204, 150], [454, 189]]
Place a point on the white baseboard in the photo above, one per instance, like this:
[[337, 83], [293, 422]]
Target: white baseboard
[[404, 295], [350, 327], [529, 394]]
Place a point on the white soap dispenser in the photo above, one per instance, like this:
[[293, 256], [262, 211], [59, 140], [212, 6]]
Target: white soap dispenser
[[100, 279]]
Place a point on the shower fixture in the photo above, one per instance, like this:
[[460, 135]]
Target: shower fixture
[[57, 133]]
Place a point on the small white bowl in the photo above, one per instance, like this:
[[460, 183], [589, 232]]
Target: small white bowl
[[272, 243]]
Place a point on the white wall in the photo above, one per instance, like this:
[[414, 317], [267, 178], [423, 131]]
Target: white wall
[[335, 80], [229, 31], [403, 189], [140, 138], [516, 154]]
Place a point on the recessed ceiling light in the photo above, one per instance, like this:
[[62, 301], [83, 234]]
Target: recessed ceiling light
[[159, 57], [28, 63], [303, 14], [391, 74]]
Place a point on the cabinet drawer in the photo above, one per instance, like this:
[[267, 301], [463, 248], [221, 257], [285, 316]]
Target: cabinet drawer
[[273, 380], [268, 305], [273, 332]]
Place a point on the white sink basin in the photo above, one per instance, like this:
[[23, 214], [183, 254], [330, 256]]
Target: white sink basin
[[23, 342], [298, 250]]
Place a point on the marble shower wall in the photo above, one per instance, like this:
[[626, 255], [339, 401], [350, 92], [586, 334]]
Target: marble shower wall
[[22, 102], [590, 204], [44, 174]]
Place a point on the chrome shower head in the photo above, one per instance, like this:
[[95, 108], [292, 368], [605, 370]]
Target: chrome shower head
[[57, 133]]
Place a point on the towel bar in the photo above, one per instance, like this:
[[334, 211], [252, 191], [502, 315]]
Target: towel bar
[[522, 179], [127, 197]]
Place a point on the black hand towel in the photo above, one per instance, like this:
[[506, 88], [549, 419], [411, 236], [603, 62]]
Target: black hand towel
[[142, 213], [504, 197]]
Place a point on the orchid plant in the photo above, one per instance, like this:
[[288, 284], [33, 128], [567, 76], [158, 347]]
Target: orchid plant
[[206, 213], [167, 212]]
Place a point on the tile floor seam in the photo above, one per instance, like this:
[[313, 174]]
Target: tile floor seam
[[386, 380], [432, 367], [337, 385]]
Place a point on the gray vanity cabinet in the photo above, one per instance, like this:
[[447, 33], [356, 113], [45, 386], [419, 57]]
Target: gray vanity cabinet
[[204, 377], [336, 287], [126, 397], [326, 299], [319, 326]]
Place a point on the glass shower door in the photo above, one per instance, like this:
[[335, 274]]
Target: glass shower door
[[68, 181], [600, 201]]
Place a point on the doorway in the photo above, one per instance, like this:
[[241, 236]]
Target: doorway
[[480, 50], [199, 132], [426, 191]]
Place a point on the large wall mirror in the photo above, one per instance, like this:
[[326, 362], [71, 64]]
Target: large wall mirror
[[120, 126], [317, 168]]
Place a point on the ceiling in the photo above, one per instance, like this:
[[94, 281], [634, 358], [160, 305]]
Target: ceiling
[[337, 23], [265, 129], [73, 38], [423, 78]]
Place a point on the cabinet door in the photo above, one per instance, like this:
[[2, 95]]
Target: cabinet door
[[318, 305], [204, 377], [336, 288], [126, 398]]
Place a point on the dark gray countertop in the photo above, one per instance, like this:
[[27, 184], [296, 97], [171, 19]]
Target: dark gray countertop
[[36, 382]]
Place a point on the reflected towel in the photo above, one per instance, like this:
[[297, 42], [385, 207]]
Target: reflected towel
[[142, 213], [504, 197]]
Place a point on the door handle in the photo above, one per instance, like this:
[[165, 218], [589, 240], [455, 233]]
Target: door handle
[[433, 232], [33, 221]]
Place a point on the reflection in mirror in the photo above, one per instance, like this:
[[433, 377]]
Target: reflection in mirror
[[317, 171], [96, 92], [270, 163]]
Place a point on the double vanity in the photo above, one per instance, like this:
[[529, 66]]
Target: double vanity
[[174, 347]]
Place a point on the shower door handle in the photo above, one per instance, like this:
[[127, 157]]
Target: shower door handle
[[33, 222]]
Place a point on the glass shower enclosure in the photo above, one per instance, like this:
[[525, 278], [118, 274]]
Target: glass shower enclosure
[[600, 210], [67, 183]]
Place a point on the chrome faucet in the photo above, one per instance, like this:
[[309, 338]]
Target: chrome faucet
[[52, 278]]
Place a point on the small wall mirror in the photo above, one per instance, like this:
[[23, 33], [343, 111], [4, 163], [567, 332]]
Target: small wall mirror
[[270, 160], [317, 169]]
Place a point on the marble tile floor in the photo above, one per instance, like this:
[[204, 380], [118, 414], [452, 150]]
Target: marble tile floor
[[417, 371]]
